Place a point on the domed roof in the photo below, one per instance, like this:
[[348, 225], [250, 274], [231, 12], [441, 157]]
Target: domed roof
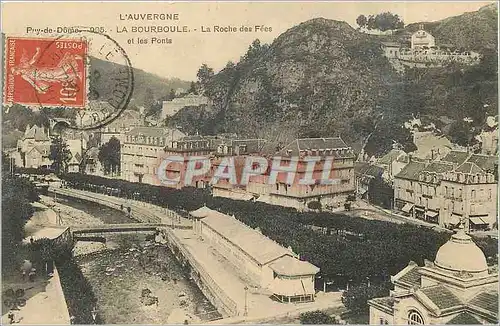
[[460, 253]]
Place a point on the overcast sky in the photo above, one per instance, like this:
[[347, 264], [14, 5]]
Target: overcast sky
[[188, 51]]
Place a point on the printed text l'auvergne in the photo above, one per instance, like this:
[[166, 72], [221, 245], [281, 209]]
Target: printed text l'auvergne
[[146, 16]]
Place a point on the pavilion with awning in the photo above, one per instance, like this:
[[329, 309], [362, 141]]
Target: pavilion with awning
[[431, 216], [407, 208], [293, 279], [478, 223]]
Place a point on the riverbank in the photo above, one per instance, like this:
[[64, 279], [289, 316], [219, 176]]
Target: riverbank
[[121, 275], [120, 269], [67, 215]]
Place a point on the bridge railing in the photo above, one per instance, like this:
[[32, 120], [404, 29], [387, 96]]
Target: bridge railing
[[138, 213], [141, 212]]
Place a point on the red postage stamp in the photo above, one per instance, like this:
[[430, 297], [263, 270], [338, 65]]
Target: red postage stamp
[[45, 72]]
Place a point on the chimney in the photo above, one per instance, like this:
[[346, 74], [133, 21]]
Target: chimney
[[410, 156]]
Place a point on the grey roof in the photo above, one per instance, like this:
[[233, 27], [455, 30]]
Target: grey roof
[[485, 162], [43, 149], [252, 242], [155, 132], [195, 137], [411, 171], [487, 301], [362, 168], [252, 145], [439, 167], [291, 266], [464, 318], [391, 156], [305, 144], [469, 168], [441, 296], [456, 157], [37, 133], [387, 302], [412, 277]]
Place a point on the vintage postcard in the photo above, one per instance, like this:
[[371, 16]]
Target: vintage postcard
[[250, 162]]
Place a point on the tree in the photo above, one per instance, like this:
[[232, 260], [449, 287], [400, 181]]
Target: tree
[[149, 98], [59, 154], [361, 21], [317, 317], [388, 21], [371, 22], [171, 95], [255, 49], [109, 156], [461, 133], [355, 299], [316, 205], [17, 195], [205, 75], [192, 88], [156, 108]]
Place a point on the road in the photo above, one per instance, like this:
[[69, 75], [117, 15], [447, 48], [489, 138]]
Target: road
[[371, 212], [367, 211]]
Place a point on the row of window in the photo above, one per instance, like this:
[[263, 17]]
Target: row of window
[[450, 192], [141, 148], [148, 140]]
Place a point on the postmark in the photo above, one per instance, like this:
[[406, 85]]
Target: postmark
[[83, 70]]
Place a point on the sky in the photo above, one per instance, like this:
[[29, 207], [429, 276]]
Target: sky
[[189, 50]]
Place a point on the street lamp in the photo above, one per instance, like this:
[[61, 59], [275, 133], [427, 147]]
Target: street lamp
[[94, 314], [245, 313]]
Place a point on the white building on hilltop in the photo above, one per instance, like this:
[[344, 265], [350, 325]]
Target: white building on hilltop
[[421, 39], [457, 288], [170, 108]]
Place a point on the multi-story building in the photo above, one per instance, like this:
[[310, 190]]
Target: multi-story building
[[461, 187], [364, 176], [128, 120], [34, 148], [392, 163], [170, 108], [141, 152], [92, 164], [294, 194], [457, 288], [421, 39], [186, 147], [239, 149]]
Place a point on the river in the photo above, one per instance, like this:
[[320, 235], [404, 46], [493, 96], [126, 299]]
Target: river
[[129, 265]]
